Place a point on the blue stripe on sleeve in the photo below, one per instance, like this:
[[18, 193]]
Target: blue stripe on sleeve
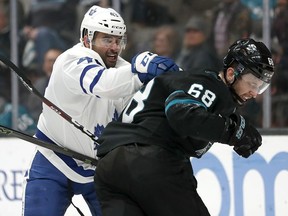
[[86, 69], [96, 79]]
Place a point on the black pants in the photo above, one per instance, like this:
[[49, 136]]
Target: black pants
[[147, 180]]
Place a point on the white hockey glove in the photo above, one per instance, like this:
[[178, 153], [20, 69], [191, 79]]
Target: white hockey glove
[[148, 65]]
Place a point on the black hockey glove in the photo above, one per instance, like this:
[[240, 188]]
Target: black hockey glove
[[243, 136]]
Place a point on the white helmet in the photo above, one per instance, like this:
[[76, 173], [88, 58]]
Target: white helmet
[[105, 20]]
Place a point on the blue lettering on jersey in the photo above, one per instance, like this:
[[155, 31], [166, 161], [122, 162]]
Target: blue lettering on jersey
[[89, 60]]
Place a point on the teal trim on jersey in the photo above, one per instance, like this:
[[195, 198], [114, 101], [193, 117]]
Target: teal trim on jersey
[[175, 92], [184, 101]]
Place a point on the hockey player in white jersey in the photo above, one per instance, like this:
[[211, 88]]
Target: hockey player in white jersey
[[92, 84]]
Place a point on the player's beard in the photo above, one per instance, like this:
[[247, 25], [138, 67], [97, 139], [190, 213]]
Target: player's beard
[[236, 97]]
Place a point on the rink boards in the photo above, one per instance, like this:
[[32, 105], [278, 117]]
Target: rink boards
[[229, 185]]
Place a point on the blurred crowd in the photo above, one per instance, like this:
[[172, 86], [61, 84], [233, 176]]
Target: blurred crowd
[[193, 33]]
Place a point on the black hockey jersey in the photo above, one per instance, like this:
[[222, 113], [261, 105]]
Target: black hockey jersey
[[183, 111]]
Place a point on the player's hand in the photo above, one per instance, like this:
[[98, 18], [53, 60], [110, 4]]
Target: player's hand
[[148, 65], [245, 138]]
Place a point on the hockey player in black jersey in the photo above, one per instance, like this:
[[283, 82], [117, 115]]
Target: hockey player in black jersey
[[144, 167]]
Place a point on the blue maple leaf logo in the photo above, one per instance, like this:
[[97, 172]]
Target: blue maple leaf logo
[[99, 128]]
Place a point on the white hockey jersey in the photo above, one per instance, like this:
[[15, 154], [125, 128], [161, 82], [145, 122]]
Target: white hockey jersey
[[91, 94]]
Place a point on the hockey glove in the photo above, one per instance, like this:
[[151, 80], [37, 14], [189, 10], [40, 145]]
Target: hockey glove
[[243, 136], [148, 65]]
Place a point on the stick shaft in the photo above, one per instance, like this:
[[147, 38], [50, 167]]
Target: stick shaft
[[27, 83], [10, 132]]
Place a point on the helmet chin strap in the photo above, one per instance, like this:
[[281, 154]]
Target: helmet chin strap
[[236, 97]]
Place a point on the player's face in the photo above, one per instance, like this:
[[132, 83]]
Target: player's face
[[108, 47], [248, 86]]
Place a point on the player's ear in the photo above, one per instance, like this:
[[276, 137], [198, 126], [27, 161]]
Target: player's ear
[[86, 41], [230, 75]]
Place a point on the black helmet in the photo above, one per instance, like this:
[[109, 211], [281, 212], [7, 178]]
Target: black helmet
[[251, 55]]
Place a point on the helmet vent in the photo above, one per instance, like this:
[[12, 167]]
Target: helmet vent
[[105, 20]]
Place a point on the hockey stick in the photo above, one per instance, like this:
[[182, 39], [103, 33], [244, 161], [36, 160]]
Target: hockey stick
[[10, 132], [27, 83]]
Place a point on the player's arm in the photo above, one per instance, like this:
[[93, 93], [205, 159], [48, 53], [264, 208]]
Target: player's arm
[[121, 81], [144, 67], [88, 76], [190, 117]]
